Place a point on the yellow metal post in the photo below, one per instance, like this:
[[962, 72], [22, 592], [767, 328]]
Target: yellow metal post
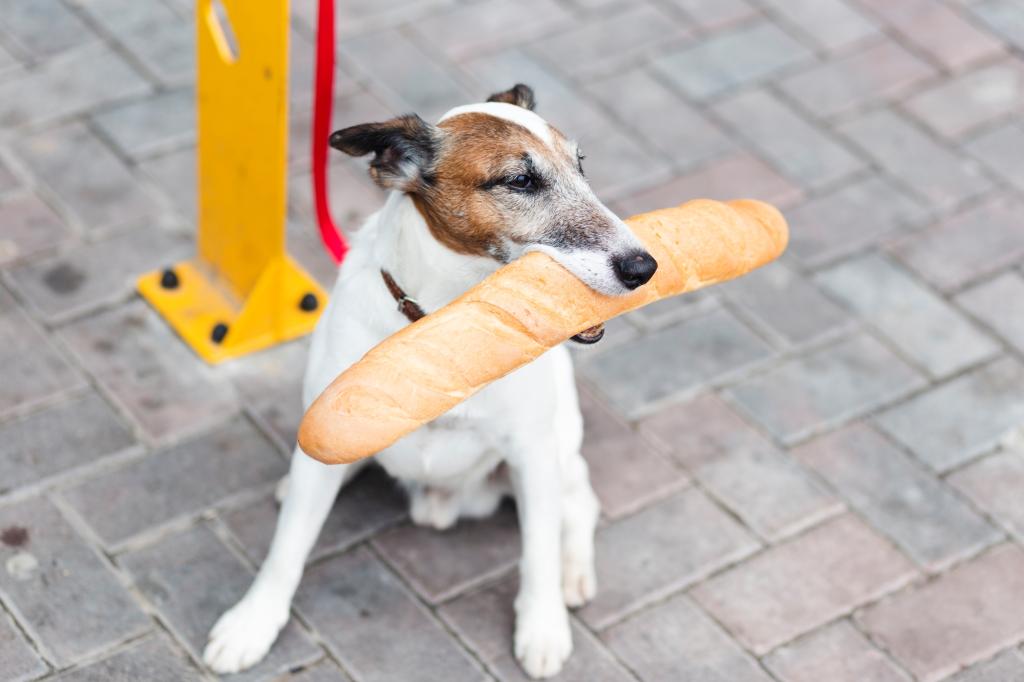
[[241, 292]]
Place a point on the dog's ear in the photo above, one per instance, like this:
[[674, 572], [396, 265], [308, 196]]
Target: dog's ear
[[520, 95], [403, 149]]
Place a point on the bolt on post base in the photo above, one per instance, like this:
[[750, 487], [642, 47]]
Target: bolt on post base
[[285, 303]]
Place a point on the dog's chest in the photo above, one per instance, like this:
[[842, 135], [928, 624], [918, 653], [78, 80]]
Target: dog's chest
[[445, 451]]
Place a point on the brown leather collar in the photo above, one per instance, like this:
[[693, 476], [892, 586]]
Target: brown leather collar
[[407, 306]]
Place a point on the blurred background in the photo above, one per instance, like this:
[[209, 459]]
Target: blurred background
[[812, 474]]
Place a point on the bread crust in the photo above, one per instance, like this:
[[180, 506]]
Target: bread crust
[[518, 313]]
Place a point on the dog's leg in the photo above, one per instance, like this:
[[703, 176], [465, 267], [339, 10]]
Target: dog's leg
[[543, 640], [244, 634], [580, 511]]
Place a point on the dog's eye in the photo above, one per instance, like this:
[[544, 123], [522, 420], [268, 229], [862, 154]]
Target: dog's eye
[[521, 182], [579, 162]]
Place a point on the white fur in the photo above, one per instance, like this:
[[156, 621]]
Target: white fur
[[510, 112], [530, 419]]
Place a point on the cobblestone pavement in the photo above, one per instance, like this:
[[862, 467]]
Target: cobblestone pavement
[[813, 474]]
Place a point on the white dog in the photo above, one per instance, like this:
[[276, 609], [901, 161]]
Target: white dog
[[486, 184]]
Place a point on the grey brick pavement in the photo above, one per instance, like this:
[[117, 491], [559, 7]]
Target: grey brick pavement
[[812, 474]]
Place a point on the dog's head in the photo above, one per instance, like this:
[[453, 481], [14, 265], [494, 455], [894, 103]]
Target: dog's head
[[496, 180]]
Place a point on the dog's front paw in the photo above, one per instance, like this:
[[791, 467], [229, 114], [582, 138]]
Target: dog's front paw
[[579, 581], [243, 636], [543, 640]]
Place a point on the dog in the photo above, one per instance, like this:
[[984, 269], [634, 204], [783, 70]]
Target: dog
[[486, 184]]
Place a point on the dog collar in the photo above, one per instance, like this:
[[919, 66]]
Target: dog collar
[[407, 306]]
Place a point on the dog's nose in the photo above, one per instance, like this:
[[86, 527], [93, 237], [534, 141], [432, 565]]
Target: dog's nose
[[634, 269]]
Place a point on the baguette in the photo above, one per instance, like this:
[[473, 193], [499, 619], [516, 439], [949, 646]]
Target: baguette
[[515, 315]]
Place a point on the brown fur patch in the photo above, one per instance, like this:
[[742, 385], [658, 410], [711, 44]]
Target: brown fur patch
[[476, 148]]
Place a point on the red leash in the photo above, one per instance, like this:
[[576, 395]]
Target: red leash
[[333, 241]]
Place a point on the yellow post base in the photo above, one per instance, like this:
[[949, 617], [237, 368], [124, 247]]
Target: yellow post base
[[272, 313]]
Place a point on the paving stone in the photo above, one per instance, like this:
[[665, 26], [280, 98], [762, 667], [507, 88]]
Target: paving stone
[[955, 107], [701, 431], [175, 174], [88, 178], [849, 218], [676, 641], [831, 24], [557, 102], [306, 247], [999, 303], [361, 16], [44, 28], [937, 30], [801, 151], [1000, 149], [625, 470], [485, 620], [716, 14], [785, 302], [660, 550], [147, 126], [34, 371], [1004, 17], [739, 175], [8, 63], [639, 30], [190, 579], [270, 385], [8, 180], [1008, 665], [673, 309], [176, 482], [936, 173], [976, 242], [73, 433], [837, 653], [65, 597], [994, 485], [766, 489], [358, 606], [937, 428], [74, 82], [151, 660], [440, 565], [921, 324], [407, 77], [352, 195], [30, 227], [137, 358], [21, 662], [728, 60], [616, 165], [302, 65], [325, 671], [672, 361], [963, 617], [463, 30], [82, 277], [687, 136], [368, 504], [795, 587], [158, 37], [880, 72], [898, 497], [823, 388]]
